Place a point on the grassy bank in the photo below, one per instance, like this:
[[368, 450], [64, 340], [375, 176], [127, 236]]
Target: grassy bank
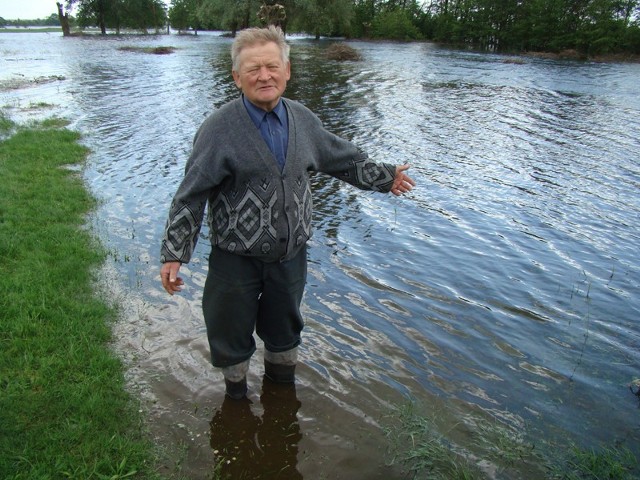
[[64, 411]]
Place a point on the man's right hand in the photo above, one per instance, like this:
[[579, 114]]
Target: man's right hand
[[171, 282]]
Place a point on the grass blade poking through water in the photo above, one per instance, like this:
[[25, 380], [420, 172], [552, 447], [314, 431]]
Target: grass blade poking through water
[[64, 411], [503, 452]]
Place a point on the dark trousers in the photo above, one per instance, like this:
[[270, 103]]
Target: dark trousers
[[243, 294]]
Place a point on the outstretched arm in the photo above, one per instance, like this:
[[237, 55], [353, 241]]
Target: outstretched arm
[[402, 183]]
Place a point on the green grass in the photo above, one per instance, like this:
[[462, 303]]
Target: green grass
[[30, 30], [64, 410], [5, 124], [416, 443], [611, 463]]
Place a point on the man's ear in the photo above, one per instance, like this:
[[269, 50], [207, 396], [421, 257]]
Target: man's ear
[[236, 78]]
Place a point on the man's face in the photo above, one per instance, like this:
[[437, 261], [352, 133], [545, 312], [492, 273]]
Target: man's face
[[262, 75]]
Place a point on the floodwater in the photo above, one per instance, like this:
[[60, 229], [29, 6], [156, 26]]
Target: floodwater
[[504, 289]]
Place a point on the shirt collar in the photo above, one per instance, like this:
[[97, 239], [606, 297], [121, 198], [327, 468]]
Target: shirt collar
[[257, 114]]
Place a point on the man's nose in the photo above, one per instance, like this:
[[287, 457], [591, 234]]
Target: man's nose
[[264, 74]]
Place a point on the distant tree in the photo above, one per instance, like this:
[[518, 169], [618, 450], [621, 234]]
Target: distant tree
[[395, 24], [94, 12], [180, 15], [185, 14], [142, 14], [63, 18], [632, 39], [604, 26], [233, 15], [322, 17], [397, 19], [117, 14], [51, 20]]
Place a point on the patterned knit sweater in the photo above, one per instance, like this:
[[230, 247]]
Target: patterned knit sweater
[[253, 209]]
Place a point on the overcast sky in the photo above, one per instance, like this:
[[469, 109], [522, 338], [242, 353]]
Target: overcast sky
[[28, 9]]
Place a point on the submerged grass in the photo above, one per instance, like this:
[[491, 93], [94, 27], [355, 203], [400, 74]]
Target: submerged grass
[[611, 463], [496, 451], [163, 50], [64, 410], [416, 443]]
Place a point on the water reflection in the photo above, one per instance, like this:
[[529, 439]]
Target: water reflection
[[248, 446]]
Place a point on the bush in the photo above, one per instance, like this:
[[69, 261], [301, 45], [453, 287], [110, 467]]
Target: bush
[[342, 52]]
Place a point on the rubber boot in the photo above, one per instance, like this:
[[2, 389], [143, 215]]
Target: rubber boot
[[235, 380], [280, 367], [236, 390]]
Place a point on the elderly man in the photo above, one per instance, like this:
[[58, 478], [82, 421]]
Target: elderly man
[[250, 163]]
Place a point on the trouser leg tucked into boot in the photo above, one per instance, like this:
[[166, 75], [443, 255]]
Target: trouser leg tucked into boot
[[235, 380], [280, 367]]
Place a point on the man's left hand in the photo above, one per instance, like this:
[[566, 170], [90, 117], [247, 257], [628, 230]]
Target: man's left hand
[[402, 183]]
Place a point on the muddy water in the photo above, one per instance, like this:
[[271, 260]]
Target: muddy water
[[504, 288]]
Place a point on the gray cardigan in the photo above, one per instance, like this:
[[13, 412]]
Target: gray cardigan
[[254, 209]]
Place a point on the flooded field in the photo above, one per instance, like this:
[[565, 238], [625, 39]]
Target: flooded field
[[503, 289]]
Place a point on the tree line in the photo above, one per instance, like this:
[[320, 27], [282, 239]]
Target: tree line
[[591, 27], [51, 21], [588, 26], [116, 15]]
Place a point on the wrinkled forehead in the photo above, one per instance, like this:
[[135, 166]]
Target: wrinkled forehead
[[260, 52], [261, 45]]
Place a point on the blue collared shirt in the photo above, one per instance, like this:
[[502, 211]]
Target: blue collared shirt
[[273, 126]]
